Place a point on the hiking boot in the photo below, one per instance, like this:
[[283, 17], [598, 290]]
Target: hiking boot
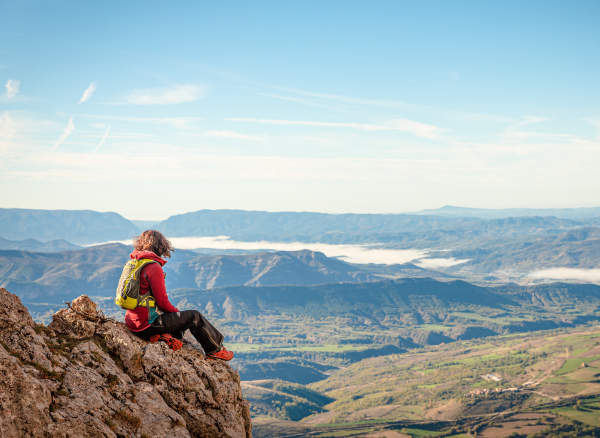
[[174, 344], [222, 354]]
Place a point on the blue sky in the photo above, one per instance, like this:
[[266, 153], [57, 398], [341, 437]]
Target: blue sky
[[150, 109]]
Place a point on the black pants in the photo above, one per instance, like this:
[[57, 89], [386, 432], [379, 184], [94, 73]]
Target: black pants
[[175, 324]]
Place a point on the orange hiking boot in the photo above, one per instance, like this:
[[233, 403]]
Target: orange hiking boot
[[222, 354], [174, 344]]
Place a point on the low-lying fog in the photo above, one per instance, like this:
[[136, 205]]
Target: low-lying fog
[[364, 254], [351, 253], [587, 275]]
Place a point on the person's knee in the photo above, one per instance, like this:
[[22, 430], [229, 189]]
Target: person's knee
[[196, 318]]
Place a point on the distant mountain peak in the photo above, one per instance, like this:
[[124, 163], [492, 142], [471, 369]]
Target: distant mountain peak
[[498, 213]]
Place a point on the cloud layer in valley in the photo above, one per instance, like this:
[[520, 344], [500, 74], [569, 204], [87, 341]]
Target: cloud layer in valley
[[349, 253], [585, 275], [436, 263]]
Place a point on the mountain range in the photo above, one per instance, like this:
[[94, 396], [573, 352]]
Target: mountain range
[[496, 250], [350, 228], [489, 213], [84, 227], [37, 246], [53, 277], [409, 301], [300, 316], [577, 248], [76, 226]]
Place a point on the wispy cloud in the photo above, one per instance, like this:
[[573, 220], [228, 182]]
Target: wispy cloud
[[102, 141], [588, 275], [519, 136], [18, 125], [178, 122], [417, 128], [231, 134], [401, 105], [403, 125], [595, 122], [348, 99], [87, 94], [164, 96], [66, 132], [527, 120], [8, 128], [12, 88], [533, 119], [177, 163], [302, 101], [362, 126]]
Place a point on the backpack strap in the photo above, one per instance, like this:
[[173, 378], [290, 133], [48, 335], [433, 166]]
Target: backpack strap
[[148, 300]]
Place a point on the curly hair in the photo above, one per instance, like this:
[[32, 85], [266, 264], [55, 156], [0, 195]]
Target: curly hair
[[154, 241]]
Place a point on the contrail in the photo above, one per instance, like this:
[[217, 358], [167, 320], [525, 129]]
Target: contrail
[[102, 141]]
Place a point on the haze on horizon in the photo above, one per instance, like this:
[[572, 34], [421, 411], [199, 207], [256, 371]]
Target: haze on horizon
[[332, 107]]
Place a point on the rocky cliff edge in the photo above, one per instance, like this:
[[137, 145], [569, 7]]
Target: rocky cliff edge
[[85, 376]]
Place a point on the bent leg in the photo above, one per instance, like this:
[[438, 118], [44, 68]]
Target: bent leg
[[209, 337], [177, 323]]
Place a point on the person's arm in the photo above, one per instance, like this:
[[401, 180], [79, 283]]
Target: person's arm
[[159, 290]]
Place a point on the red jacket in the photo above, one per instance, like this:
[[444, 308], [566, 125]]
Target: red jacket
[[152, 279]]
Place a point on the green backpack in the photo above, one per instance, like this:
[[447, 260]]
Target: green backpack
[[128, 291]]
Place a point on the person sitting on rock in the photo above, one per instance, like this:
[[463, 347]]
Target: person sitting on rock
[[171, 324]]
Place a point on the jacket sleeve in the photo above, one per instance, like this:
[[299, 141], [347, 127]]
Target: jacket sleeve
[[156, 278]]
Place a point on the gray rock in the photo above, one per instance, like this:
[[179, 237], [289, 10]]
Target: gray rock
[[85, 376]]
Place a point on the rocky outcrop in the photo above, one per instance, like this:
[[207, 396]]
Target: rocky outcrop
[[86, 376]]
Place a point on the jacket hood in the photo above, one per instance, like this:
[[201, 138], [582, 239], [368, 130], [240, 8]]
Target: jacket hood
[[138, 255]]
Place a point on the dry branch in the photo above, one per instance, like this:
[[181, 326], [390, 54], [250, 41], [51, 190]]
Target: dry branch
[[99, 317]]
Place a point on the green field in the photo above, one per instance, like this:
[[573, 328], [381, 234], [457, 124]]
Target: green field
[[442, 377], [574, 363], [419, 433], [446, 382], [434, 327], [500, 320], [588, 413]]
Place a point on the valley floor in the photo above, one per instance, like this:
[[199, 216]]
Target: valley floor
[[493, 387]]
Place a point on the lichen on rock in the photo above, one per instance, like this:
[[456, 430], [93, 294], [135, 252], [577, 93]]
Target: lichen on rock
[[86, 377]]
